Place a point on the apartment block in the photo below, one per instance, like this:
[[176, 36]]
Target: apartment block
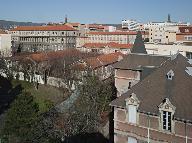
[[43, 38], [117, 37]]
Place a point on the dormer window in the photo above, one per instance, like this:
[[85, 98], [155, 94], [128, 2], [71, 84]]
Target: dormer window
[[167, 111], [170, 75], [132, 104]]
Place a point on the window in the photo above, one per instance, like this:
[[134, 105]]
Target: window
[[129, 85], [189, 55], [132, 113], [170, 75], [167, 121], [132, 140]]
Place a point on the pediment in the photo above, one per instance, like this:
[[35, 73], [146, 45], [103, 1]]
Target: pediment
[[132, 100], [166, 105]]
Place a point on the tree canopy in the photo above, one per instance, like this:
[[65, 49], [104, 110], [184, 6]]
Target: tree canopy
[[21, 117]]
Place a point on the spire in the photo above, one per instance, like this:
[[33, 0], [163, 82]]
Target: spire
[[66, 19], [139, 46], [169, 18]]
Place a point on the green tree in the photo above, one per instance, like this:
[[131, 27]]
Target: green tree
[[94, 98], [139, 46], [21, 118]]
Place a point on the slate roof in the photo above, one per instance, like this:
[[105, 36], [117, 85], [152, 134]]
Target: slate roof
[[152, 90], [137, 61], [139, 46]]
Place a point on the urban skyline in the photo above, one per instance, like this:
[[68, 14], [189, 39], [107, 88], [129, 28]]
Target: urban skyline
[[108, 11]]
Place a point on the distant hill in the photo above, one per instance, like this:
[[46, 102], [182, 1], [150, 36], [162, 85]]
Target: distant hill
[[10, 24]]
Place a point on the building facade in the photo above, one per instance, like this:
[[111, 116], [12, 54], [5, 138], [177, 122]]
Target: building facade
[[43, 38], [163, 34], [5, 44], [117, 37], [184, 35], [152, 110], [108, 48], [131, 25]]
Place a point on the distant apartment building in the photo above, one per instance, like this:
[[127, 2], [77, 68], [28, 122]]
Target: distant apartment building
[[164, 24], [164, 49], [43, 38], [184, 35], [117, 37], [5, 44], [131, 25], [163, 34], [82, 29]]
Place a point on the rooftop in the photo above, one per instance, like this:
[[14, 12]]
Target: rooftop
[[103, 60], [138, 61], [110, 45], [44, 28], [156, 87]]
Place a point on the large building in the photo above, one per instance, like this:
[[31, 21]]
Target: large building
[[43, 38], [163, 34], [5, 44], [164, 49], [131, 25], [117, 37], [157, 109]]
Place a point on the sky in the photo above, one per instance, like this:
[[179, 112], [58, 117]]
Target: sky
[[95, 11]]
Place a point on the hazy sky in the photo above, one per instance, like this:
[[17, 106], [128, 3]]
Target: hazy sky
[[95, 11]]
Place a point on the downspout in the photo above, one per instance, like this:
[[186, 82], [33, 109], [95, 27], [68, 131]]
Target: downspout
[[148, 134]]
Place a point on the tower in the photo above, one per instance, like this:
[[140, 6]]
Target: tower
[[169, 18], [66, 19]]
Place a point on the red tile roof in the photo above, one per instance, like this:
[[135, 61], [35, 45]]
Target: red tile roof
[[44, 56], [103, 60], [75, 24], [52, 55], [44, 28], [110, 45], [96, 26], [117, 33], [185, 30]]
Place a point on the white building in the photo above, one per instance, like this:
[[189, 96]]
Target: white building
[[161, 49], [132, 25], [112, 28], [163, 34], [5, 44], [164, 24]]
